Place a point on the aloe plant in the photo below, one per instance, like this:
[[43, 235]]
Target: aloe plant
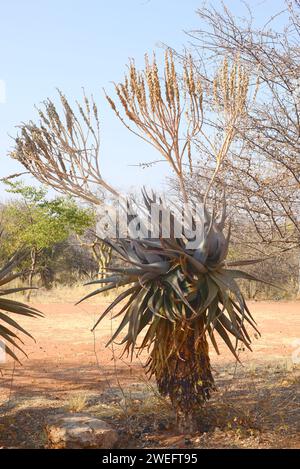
[[175, 299], [10, 329]]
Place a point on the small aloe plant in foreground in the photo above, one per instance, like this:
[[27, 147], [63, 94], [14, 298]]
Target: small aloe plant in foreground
[[10, 329]]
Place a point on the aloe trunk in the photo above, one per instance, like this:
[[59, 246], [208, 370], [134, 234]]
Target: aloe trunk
[[181, 365]]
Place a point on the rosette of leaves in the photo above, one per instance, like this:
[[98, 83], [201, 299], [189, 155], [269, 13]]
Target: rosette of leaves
[[173, 300], [10, 329]]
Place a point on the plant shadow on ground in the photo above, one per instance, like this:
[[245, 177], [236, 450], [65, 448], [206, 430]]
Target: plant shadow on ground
[[253, 408]]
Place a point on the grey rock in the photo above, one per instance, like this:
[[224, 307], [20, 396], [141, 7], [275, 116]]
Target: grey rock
[[79, 430]]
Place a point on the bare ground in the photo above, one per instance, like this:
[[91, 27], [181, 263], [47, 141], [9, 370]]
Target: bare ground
[[69, 368]]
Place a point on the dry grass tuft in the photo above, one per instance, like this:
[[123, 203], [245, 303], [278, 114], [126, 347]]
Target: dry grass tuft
[[76, 403]]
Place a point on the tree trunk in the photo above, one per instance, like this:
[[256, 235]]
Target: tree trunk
[[33, 255], [181, 364], [103, 257]]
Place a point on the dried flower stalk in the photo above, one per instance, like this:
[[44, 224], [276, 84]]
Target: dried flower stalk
[[162, 109], [166, 112], [63, 152], [230, 92]]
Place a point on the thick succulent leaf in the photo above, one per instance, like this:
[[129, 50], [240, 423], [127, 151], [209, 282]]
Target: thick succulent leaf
[[151, 332], [8, 339], [223, 280], [173, 283], [17, 307], [5, 331], [212, 338], [153, 243], [9, 351], [228, 325], [143, 253], [155, 302], [160, 267], [207, 239], [243, 329], [212, 289], [127, 304], [244, 275], [117, 300], [170, 311], [10, 329], [244, 262], [10, 291], [121, 326], [157, 267], [213, 311], [153, 257], [103, 289], [125, 271], [233, 315], [133, 317], [168, 284], [223, 334], [147, 277], [117, 247], [177, 250], [215, 250], [115, 280], [8, 320], [145, 320], [248, 317], [8, 278]]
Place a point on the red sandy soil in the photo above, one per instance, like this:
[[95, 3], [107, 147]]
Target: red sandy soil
[[64, 357]]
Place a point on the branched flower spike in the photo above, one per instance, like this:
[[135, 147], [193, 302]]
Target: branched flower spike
[[63, 151], [162, 110]]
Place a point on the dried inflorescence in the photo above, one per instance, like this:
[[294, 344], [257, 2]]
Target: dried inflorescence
[[167, 111], [63, 151], [230, 93], [161, 107], [230, 90]]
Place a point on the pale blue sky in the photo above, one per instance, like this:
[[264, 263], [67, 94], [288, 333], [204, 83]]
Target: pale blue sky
[[68, 44]]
